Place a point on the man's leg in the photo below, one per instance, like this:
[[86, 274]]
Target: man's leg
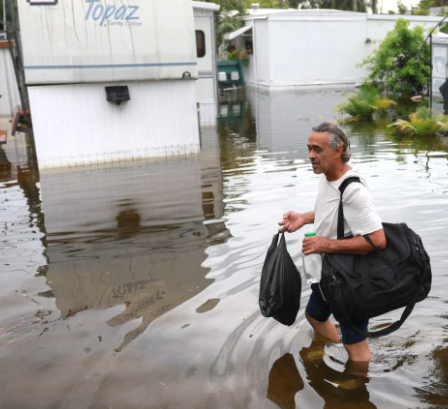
[[317, 313], [359, 352], [356, 345], [326, 329]]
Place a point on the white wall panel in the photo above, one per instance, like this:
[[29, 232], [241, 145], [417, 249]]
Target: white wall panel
[[316, 52], [249, 71], [379, 25], [205, 89], [74, 124], [208, 113], [264, 55], [8, 84]]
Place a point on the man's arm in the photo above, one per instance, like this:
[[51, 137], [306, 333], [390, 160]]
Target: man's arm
[[293, 221], [356, 245]]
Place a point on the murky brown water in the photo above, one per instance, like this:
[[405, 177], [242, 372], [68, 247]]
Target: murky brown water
[[136, 285]]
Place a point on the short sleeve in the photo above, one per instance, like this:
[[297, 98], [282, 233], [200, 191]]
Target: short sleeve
[[359, 210]]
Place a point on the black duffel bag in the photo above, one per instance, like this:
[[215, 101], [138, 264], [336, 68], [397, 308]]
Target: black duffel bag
[[357, 287], [280, 284]]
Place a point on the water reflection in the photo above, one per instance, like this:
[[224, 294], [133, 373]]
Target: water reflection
[[337, 389], [123, 287], [139, 245], [348, 386], [284, 382]]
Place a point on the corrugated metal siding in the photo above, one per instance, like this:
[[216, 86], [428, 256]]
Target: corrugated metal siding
[[74, 124], [8, 85], [208, 114]]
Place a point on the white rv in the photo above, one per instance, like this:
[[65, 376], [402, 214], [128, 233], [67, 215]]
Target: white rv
[[110, 81], [206, 86]]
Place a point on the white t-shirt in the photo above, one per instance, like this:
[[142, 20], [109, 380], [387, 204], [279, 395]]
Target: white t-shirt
[[360, 215]]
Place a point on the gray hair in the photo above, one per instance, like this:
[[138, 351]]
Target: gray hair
[[337, 139]]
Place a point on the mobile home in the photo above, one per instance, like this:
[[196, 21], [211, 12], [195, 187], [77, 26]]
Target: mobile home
[[309, 48], [110, 82]]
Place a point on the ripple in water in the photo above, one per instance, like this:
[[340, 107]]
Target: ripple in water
[[136, 285]]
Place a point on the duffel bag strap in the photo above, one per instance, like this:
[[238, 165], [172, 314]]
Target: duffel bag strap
[[385, 331], [342, 188]]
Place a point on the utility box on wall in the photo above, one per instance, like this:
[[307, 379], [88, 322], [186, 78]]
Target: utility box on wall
[[74, 50]]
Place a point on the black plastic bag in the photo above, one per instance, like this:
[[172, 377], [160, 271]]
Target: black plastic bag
[[280, 285]]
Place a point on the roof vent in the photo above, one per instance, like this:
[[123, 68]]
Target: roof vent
[[255, 7]]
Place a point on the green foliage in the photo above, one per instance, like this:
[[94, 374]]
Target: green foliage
[[391, 12], [425, 4], [444, 27], [423, 8], [348, 5], [364, 104], [230, 5], [424, 122], [294, 4], [226, 23], [402, 9], [420, 12], [394, 61], [382, 105], [239, 54]]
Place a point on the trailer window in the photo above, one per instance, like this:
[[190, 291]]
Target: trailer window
[[200, 43]]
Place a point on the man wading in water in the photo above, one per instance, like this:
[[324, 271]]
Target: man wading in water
[[329, 152]]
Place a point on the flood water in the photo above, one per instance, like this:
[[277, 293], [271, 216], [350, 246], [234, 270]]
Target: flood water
[[136, 285]]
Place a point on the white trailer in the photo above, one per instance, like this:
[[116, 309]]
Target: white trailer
[[75, 50], [309, 48], [206, 86]]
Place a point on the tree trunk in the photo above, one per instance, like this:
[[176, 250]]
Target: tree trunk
[[280, 3]]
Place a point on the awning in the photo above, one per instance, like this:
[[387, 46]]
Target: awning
[[235, 34]]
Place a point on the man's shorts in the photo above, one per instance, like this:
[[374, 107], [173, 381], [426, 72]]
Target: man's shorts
[[318, 309]]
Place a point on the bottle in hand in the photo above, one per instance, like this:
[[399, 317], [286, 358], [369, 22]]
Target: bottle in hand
[[312, 264]]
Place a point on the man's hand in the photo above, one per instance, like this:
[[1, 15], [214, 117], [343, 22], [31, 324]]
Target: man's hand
[[293, 221], [315, 244], [355, 245]]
